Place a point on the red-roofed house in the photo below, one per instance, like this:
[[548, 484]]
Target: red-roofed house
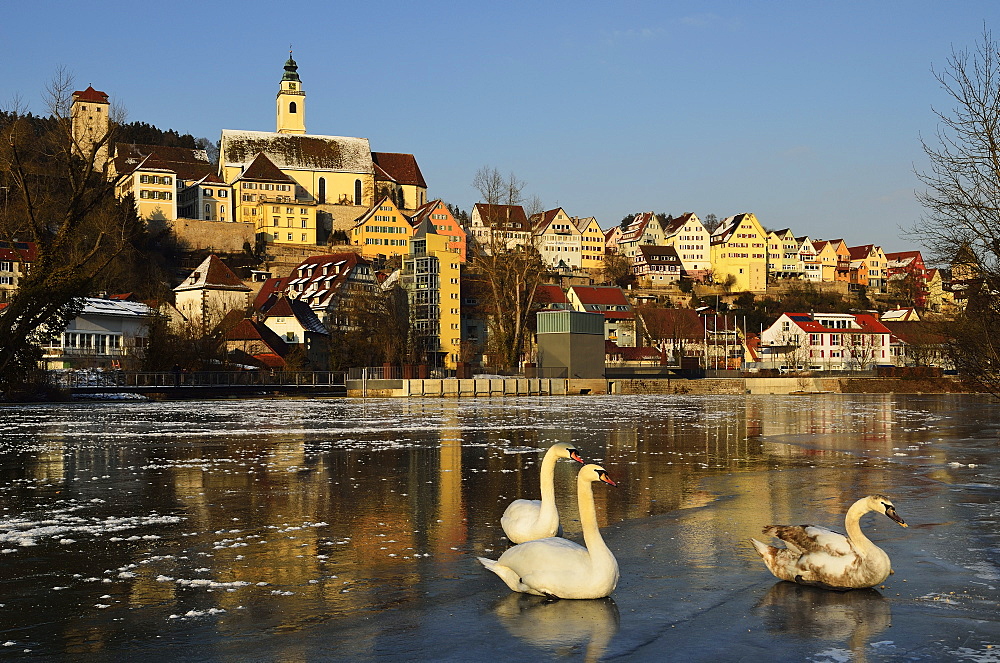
[[907, 275], [166, 182], [619, 319], [210, 292], [503, 225], [825, 341], [552, 298], [444, 223], [643, 230], [297, 325], [15, 260], [252, 343], [323, 282], [557, 238], [868, 267]]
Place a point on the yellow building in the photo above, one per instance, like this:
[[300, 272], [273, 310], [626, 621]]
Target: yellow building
[[431, 275], [739, 250], [783, 255], [265, 197], [382, 231], [158, 176], [338, 174], [591, 243], [445, 224]]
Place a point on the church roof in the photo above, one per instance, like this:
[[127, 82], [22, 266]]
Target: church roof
[[297, 151], [401, 168]]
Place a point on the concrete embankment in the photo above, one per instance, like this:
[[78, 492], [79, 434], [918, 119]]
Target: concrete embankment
[[468, 388]]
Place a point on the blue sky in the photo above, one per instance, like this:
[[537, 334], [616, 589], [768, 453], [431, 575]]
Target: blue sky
[[808, 114]]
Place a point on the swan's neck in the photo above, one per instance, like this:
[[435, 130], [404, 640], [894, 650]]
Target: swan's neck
[[852, 522], [548, 508], [588, 520]]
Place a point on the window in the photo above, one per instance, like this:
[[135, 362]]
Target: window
[[321, 194], [208, 211], [357, 192], [274, 221], [221, 193], [304, 225], [208, 192], [289, 237], [303, 237], [292, 108]]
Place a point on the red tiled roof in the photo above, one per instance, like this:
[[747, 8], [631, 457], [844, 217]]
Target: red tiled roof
[[595, 298], [550, 294], [90, 94], [866, 321], [220, 274], [511, 217], [860, 252], [23, 251], [632, 354], [903, 255], [401, 168]]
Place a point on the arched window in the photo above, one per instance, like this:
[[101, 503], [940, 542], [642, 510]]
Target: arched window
[[292, 107], [357, 192], [208, 211], [321, 194]]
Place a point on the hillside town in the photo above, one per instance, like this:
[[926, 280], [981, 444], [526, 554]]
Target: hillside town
[[313, 251]]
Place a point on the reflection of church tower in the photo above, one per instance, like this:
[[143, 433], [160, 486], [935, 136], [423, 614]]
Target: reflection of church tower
[[291, 101], [90, 124]]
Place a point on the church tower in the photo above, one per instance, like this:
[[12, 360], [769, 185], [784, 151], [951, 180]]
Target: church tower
[[89, 114], [291, 101]]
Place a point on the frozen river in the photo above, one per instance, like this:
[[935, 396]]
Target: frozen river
[[309, 530]]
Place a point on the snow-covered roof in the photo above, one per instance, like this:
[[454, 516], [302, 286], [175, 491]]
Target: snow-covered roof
[[297, 151]]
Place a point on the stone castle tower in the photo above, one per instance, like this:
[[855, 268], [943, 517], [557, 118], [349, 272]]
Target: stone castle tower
[[89, 113]]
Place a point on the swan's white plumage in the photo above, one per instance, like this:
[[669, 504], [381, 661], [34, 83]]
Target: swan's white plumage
[[527, 520], [819, 556], [561, 568]]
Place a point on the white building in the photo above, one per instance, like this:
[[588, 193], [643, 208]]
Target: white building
[[106, 333], [825, 341]]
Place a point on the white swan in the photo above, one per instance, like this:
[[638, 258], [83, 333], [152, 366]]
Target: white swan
[[559, 568], [818, 556], [527, 520]]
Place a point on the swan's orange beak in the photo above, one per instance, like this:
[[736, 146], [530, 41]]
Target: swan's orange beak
[[893, 515], [606, 479], [576, 456]]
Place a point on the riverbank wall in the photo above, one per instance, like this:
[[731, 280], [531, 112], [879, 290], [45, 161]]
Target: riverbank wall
[[468, 388]]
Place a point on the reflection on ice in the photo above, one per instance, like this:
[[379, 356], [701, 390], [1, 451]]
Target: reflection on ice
[[853, 617], [554, 625]]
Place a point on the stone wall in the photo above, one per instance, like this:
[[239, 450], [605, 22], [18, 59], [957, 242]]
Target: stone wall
[[218, 236]]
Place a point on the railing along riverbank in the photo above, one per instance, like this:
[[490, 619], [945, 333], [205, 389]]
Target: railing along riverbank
[[214, 382]]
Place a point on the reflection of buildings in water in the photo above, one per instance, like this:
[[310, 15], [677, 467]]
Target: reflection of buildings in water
[[450, 530], [853, 617], [550, 624], [842, 422]]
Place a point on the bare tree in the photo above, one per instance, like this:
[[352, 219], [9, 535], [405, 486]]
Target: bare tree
[[510, 271], [617, 270], [56, 195], [962, 190]]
